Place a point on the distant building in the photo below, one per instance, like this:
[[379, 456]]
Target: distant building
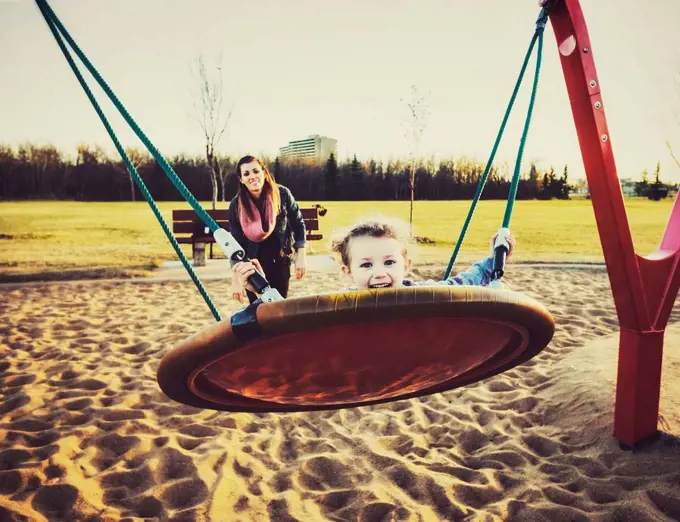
[[580, 187], [628, 186], [314, 147]]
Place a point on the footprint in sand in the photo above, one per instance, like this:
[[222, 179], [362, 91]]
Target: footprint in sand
[[561, 497], [88, 384], [607, 492], [16, 401], [477, 496], [14, 459], [563, 474], [326, 471], [16, 382], [185, 494], [338, 500], [30, 425], [118, 415], [115, 444], [149, 507], [71, 394], [75, 419], [13, 482], [189, 444], [464, 474], [499, 386], [541, 446], [138, 348], [118, 486], [56, 502], [471, 440], [42, 439], [174, 465]]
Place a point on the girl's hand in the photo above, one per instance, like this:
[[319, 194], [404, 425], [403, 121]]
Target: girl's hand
[[511, 243]]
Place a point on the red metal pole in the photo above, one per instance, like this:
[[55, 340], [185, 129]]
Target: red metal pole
[[644, 288]]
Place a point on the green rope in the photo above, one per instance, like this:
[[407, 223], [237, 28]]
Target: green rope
[[525, 132], [538, 36], [53, 24], [188, 196]]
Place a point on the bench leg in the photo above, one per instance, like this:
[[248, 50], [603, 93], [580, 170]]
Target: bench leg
[[199, 254]]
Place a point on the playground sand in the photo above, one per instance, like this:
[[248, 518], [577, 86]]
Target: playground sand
[[86, 434]]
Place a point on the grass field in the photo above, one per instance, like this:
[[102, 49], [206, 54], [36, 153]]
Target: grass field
[[69, 240]]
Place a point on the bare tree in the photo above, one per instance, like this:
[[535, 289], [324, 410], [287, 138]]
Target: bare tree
[[417, 111], [87, 154], [137, 158], [677, 89], [675, 159], [213, 119]]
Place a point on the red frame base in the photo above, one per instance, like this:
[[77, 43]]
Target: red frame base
[[644, 287]]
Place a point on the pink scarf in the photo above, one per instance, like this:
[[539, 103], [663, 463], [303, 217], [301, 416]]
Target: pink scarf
[[252, 228]]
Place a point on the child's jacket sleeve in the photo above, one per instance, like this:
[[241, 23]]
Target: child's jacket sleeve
[[478, 274]]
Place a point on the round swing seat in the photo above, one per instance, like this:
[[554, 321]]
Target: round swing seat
[[356, 348]]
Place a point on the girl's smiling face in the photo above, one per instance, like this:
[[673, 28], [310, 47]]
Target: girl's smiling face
[[376, 262]]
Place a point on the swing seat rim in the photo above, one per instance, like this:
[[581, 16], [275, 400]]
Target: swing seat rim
[[181, 371]]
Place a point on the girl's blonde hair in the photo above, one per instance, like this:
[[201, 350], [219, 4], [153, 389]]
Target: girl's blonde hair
[[377, 227]]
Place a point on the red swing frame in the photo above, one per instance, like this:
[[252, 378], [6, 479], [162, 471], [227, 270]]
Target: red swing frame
[[644, 287]]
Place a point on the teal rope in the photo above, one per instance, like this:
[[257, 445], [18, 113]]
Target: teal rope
[[138, 180], [525, 132], [538, 36], [209, 221]]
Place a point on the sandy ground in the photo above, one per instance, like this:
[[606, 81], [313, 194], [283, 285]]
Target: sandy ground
[[86, 434]]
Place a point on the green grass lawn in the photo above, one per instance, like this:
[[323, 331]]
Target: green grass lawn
[[66, 240]]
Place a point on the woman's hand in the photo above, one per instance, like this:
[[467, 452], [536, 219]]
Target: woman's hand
[[241, 274], [300, 264]]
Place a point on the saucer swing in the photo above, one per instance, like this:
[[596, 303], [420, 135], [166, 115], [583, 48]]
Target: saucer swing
[[342, 349]]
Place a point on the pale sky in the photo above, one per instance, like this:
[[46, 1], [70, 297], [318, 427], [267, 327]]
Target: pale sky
[[339, 69]]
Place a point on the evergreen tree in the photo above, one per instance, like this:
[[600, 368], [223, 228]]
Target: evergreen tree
[[657, 190], [357, 192], [565, 189], [642, 186], [277, 170], [545, 191], [534, 182], [331, 177]]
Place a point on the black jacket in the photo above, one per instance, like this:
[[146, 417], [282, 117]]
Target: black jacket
[[290, 226]]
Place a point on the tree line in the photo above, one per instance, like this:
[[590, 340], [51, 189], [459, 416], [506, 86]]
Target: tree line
[[43, 172], [655, 190]]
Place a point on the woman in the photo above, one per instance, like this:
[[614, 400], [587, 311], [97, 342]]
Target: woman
[[266, 221]]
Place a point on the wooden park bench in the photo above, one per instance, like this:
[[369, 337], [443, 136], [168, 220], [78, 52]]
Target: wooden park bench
[[190, 229]]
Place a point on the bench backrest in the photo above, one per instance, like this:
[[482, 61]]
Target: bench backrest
[[186, 221]]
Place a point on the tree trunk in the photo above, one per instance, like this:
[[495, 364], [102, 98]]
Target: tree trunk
[[214, 193], [411, 183], [221, 178], [132, 187], [223, 183], [210, 156]]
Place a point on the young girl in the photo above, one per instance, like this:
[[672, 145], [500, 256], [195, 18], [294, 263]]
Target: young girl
[[374, 254]]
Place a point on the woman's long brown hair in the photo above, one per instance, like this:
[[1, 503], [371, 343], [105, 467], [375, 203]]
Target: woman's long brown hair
[[269, 190]]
